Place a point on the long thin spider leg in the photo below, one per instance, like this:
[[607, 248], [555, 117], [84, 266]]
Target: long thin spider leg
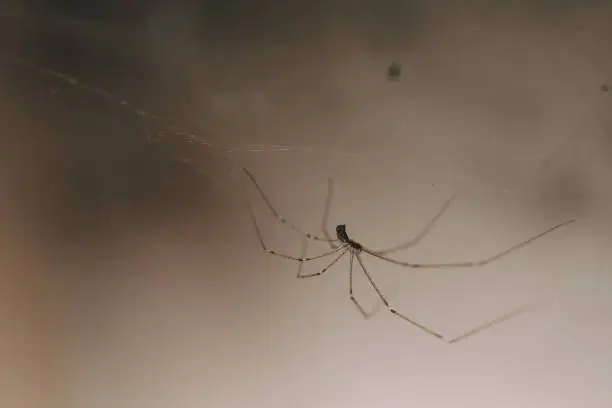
[[363, 312], [265, 248], [492, 323], [469, 264], [322, 271], [303, 255], [280, 219], [423, 233], [391, 309], [325, 220], [426, 329]]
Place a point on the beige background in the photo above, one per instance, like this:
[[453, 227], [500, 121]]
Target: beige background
[[131, 278]]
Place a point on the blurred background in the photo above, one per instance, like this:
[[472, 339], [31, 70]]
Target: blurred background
[[131, 275]]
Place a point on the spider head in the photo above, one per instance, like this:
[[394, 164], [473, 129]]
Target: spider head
[[341, 233]]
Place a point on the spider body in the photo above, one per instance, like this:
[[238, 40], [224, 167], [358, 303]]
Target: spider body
[[344, 238]]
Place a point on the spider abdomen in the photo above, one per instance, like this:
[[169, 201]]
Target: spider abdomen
[[344, 238], [341, 234]]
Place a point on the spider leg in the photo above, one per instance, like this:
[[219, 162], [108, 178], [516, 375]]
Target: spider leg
[[279, 218], [389, 308], [325, 220], [362, 310], [426, 329], [322, 271], [468, 264], [423, 233], [303, 255], [301, 259], [492, 323]]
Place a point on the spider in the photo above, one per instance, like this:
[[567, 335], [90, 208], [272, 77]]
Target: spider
[[344, 245]]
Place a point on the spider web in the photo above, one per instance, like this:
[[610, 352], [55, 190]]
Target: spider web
[[194, 150], [200, 150]]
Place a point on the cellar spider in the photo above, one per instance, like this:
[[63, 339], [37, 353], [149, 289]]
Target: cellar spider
[[344, 245]]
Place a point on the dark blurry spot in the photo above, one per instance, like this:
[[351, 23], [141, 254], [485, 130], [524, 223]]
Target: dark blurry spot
[[570, 189], [605, 88], [394, 71]]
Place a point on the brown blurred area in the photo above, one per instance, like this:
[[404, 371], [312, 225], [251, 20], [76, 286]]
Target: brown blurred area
[[130, 278], [81, 185]]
